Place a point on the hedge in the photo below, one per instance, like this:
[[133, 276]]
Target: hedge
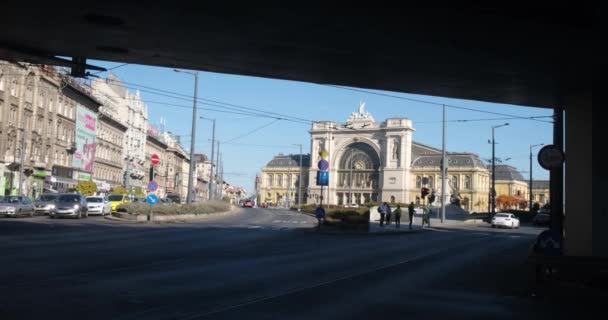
[[174, 208]]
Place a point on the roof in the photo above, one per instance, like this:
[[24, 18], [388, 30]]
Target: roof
[[506, 172], [540, 184], [291, 160], [454, 159], [419, 149], [200, 157]]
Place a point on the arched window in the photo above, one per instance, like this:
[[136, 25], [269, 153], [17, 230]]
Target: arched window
[[359, 167], [418, 182], [467, 182], [455, 182], [270, 180]]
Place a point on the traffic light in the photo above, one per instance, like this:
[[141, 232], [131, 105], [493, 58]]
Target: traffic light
[[424, 192], [432, 198]]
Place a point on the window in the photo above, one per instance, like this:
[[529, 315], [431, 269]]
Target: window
[[455, 182], [288, 180], [270, 180], [2, 82], [280, 180], [418, 182], [467, 182], [14, 91], [431, 182]]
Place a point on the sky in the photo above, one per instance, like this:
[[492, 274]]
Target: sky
[[246, 153]]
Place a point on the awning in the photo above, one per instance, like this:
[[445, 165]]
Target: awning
[[66, 180]]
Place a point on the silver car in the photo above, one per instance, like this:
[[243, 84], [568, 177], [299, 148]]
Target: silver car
[[13, 206], [45, 204], [70, 205]]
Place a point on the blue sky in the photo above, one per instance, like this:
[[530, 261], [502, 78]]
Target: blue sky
[[247, 155]]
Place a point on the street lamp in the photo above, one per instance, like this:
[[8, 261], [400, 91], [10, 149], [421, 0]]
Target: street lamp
[[493, 192], [531, 187], [300, 179], [191, 173], [212, 156]]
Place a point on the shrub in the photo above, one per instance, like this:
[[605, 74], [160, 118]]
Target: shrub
[[87, 188], [174, 208], [119, 190]]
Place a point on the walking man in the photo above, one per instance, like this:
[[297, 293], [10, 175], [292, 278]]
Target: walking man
[[398, 217], [382, 211], [388, 214], [410, 211], [320, 214]]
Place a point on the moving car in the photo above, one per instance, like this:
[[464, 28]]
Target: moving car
[[13, 206], [71, 205], [542, 219], [248, 204], [117, 199], [507, 220], [99, 205], [45, 204]]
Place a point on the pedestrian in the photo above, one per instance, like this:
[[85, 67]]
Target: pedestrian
[[398, 217], [426, 216], [410, 211], [320, 214], [388, 214], [382, 211]]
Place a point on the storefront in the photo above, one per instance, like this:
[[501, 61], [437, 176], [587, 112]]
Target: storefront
[[62, 179]]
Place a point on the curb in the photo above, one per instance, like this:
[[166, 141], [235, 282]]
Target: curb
[[367, 233], [174, 218]]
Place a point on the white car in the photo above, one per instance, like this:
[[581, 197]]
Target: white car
[[507, 220], [351, 205], [99, 205]]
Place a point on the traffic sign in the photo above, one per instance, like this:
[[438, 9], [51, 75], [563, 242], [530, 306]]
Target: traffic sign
[[323, 165], [322, 178], [154, 159], [152, 199], [550, 157], [152, 186]]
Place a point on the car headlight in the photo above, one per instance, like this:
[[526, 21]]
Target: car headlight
[[76, 207], [51, 206], [10, 209]]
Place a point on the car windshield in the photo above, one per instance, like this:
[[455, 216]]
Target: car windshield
[[11, 199], [69, 198], [501, 215], [94, 199], [115, 197], [47, 197]]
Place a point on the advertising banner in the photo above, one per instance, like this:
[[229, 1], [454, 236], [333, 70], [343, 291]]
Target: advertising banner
[[86, 125]]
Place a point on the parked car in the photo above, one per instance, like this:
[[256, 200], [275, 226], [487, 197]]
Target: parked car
[[351, 205], [13, 206], [70, 205], [45, 203], [248, 204], [507, 220], [542, 219], [175, 198], [117, 199], [99, 205]]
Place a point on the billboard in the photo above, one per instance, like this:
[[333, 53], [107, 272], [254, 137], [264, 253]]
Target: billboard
[[86, 125]]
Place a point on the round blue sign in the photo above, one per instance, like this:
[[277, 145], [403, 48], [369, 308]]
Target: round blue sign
[[323, 165], [152, 199], [152, 186]]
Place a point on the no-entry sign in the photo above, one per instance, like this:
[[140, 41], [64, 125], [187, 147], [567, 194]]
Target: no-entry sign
[[155, 159]]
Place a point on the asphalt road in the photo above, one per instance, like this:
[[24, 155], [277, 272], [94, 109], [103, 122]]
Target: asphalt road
[[262, 264]]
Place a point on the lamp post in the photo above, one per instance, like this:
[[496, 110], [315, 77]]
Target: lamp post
[[212, 156], [531, 186], [192, 142], [300, 179], [493, 192]]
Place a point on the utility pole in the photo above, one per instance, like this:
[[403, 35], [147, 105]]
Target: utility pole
[[493, 194], [531, 183], [350, 184], [443, 171], [217, 171], [193, 140], [22, 160], [300, 179], [212, 158]]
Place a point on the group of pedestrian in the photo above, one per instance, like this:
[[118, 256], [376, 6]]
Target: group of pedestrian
[[386, 214]]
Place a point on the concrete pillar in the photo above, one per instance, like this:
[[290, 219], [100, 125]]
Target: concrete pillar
[[585, 182]]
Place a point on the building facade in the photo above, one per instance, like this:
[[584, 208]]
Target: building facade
[[540, 192], [108, 165], [510, 182], [155, 145], [280, 180]]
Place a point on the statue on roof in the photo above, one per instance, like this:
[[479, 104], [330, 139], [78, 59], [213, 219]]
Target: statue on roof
[[361, 114]]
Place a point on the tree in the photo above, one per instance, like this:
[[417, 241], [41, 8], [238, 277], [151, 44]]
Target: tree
[[88, 188], [536, 207], [506, 202], [139, 192], [119, 190]]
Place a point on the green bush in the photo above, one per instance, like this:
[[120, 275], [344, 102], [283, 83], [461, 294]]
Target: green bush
[[173, 208], [119, 190], [87, 188]]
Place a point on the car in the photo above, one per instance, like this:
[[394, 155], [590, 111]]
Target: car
[[13, 206], [175, 198], [116, 200], [351, 205], [248, 203], [541, 219], [45, 203], [507, 220], [73, 205], [99, 205]]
